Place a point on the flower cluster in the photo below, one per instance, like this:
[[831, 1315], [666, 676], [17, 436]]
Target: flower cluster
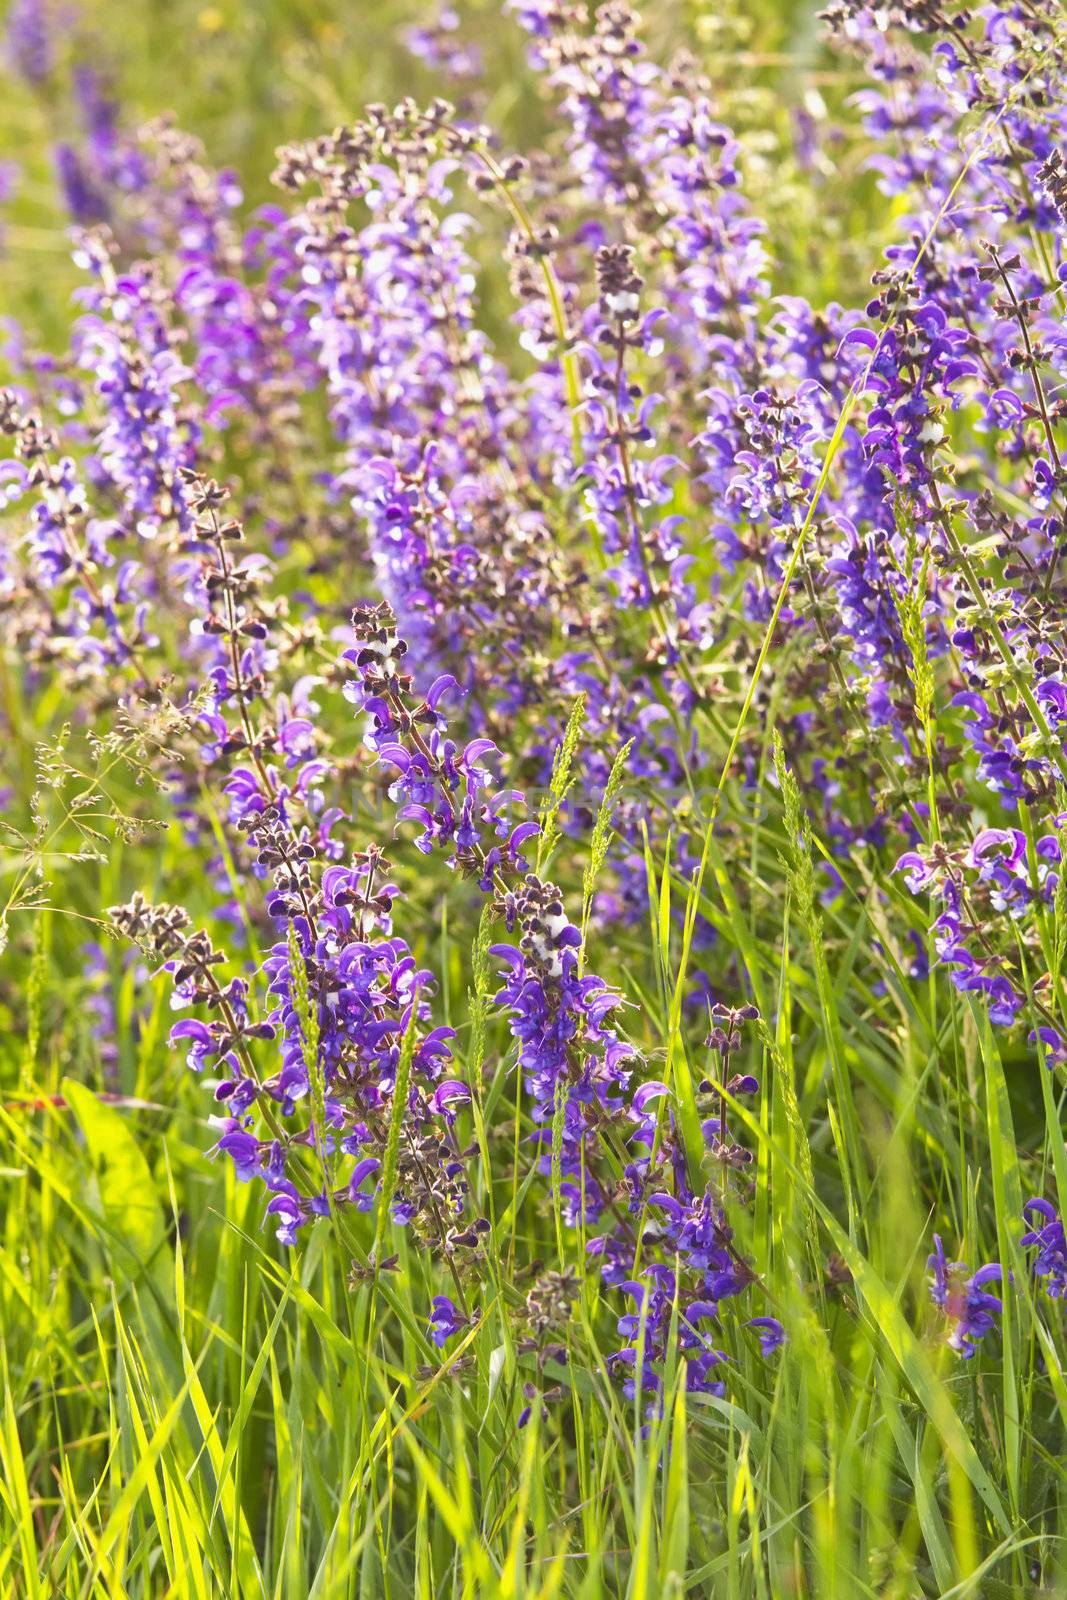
[[515, 593], [969, 1308], [966, 1303]]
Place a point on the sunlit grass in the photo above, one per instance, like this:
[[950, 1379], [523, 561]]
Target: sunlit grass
[[189, 1410]]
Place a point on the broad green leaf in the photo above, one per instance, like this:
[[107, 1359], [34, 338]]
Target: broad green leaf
[[129, 1197]]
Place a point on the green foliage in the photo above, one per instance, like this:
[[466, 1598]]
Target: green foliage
[[189, 1411]]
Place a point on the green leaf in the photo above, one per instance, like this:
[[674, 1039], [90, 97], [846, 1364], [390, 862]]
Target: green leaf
[[128, 1195]]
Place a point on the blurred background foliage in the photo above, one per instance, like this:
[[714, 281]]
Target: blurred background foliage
[[244, 78]]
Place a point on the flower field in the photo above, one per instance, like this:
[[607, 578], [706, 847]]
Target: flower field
[[533, 761]]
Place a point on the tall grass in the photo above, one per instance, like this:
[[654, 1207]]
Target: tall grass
[[189, 1411], [185, 1413]]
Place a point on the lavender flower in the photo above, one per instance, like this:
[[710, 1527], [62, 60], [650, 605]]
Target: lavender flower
[[28, 40]]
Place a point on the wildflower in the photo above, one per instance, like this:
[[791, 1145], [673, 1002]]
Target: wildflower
[[28, 43], [1047, 1237], [969, 1308], [446, 1320], [770, 1331]]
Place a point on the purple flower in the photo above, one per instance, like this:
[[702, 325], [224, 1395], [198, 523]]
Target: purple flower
[[28, 41], [243, 1149], [770, 1331], [288, 1212], [438, 45], [1047, 1238], [446, 1320], [1055, 1046], [970, 1310]]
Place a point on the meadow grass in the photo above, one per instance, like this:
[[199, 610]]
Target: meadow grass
[[186, 1413], [189, 1410]]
